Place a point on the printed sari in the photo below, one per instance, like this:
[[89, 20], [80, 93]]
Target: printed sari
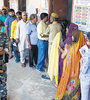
[[68, 40], [69, 86]]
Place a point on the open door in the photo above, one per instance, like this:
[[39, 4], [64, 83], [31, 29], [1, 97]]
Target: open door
[[60, 7], [6, 3], [22, 5]]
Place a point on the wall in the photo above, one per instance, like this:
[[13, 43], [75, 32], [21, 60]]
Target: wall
[[69, 10], [59, 7], [14, 5], [1, 3], [42, 6]]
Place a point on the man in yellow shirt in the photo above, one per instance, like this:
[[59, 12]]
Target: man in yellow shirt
[[13, 35], [42, 42]]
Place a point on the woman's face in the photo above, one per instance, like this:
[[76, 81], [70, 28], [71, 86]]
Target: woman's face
[[66, 30]]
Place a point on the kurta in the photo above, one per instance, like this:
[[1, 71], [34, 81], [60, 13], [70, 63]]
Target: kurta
[[21, 35]]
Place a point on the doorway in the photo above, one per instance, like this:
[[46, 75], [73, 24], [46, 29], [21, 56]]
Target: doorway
[[22, 5], [6, 3], [62, 7]]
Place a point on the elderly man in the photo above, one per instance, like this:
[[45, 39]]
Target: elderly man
[[21, 38], [32, 38], [53, 29]]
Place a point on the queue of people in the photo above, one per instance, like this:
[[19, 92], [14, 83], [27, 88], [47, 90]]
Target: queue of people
[[57, 47]]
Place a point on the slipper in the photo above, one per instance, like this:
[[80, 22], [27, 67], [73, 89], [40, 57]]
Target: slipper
[[45, 77], [10, 57]]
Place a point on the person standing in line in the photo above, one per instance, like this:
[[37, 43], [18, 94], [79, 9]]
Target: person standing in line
[[4, 16], [42, 42], [69, 81], [85, 70], [32, 39], [52, 30], [8, 23], [13, 35], [21, 39]]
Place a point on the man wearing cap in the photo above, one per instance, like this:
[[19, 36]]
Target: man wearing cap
[[53, 29], [4, 16]]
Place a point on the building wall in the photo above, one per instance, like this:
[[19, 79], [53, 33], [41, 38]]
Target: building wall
[[42, 6], [1, 3], [14, 4], [69, 9]]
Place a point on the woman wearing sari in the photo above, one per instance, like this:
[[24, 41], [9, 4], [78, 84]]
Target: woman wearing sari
[[67, 40], [69, 86]]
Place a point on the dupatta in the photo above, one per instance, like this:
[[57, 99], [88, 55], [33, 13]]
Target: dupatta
[[69, 86]]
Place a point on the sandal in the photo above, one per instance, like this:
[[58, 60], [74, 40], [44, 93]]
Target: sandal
[[45, 77]]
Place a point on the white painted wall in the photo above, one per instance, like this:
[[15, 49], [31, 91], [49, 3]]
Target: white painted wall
[[14, 5], [42, 6], [1, 3]]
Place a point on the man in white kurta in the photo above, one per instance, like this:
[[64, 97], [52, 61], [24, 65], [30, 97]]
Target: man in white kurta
[[21, 38]]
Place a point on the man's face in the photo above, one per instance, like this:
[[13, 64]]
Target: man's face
[[4, 11], [36, 18], [46, 18], [19, 16], [24, 16], [12, 14], [51, 19]]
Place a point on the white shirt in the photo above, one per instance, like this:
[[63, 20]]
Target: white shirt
[[85, 68], [21, 35]]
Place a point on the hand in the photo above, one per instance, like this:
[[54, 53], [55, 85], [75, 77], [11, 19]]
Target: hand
[[17, 40], [30, 47], [59, 48], [36, 11]]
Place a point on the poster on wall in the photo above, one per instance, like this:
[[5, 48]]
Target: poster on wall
[[81, 14]]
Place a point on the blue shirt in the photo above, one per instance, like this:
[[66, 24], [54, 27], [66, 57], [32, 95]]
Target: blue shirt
[[85, 68], [32, 32], [8, 22]]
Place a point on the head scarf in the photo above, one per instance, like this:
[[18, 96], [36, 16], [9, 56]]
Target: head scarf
[[75, 34], [68, 39]]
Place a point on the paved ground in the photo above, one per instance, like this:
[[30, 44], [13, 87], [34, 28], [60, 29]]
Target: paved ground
[[27, 84]]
